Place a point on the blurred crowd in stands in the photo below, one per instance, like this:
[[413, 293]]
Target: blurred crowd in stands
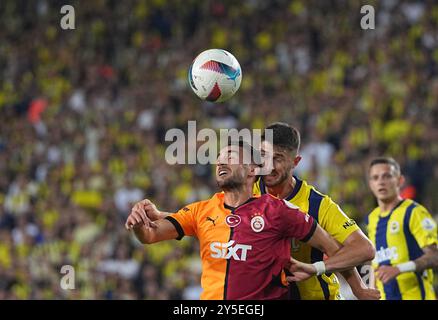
[[84, 114]]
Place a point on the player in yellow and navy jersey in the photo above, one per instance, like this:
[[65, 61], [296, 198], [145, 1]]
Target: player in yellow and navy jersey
[[405, 237], [282, 183]]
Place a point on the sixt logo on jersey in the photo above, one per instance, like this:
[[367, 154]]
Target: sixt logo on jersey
[[229, 250]]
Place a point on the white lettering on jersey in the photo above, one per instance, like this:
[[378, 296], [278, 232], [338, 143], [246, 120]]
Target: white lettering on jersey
[[227, 250], [386, 254]]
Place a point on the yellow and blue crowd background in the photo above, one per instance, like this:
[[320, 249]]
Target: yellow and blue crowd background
[[84, 114]]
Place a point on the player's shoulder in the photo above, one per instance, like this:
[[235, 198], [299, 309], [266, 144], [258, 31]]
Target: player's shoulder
[[416, 210], [275, 202], [267, 198], [315, 194], [203, 205], [329, 214], [313, 191], [373, 214], [417, 207], [418, 215]]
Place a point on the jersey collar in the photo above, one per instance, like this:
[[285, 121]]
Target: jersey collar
[[226, 206], [296, 189], [383, 215]]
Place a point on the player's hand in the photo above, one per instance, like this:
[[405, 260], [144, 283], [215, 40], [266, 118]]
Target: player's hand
[[149, 208], [387, 273], [300, 271], [367, 294], [141, 215]]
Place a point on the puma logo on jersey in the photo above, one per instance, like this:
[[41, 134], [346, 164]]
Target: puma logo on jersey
[[212, 220], [229, 250]]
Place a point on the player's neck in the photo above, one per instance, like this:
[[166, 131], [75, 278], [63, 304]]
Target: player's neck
[[284, 189], [386, 206], [236, 197]]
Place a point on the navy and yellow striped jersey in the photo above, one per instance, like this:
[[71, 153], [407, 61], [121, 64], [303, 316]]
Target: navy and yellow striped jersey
[[398, 236], [332, 219]]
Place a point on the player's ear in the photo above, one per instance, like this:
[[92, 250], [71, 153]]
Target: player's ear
[[401, 180], [297, 160]]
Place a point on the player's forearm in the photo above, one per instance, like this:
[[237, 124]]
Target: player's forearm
[[427, 261], [363, 289], [348, 257], [356, 250], [161, 230], [163, 215], [143, 234], [354, 280], [158, 215]]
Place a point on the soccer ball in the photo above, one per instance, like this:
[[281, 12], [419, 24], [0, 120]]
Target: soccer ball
[[215, 75]]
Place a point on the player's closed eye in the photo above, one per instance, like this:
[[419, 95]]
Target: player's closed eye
[[278, 158], [385, 176]]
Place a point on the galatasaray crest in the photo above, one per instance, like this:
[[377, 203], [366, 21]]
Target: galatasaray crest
[[257, 223]]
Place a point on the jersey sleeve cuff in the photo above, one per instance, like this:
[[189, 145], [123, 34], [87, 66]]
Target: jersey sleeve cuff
[[311, 232], [177, 226]]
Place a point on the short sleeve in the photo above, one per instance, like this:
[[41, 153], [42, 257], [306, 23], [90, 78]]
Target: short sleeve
[[333, 220], [184, 221], [423, 227], [296, 224]]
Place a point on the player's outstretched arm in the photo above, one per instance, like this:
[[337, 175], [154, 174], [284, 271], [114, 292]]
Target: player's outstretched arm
[[351, 253], [357, 249], [322, 241], [164, 230], [325, 243], [338, 257]]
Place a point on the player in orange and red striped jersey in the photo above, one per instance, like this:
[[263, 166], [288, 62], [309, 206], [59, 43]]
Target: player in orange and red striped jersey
[[244, 240]]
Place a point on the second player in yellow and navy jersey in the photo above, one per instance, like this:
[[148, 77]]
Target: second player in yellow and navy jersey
[[332, 219], [399, 236]]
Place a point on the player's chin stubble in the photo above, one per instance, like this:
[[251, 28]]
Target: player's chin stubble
[[279, 180], [231, 183]]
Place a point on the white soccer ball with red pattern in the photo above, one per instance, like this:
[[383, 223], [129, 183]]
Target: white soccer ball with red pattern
[[215, 75]]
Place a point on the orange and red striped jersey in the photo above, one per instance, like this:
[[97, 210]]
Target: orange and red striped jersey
[[243, 249]]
